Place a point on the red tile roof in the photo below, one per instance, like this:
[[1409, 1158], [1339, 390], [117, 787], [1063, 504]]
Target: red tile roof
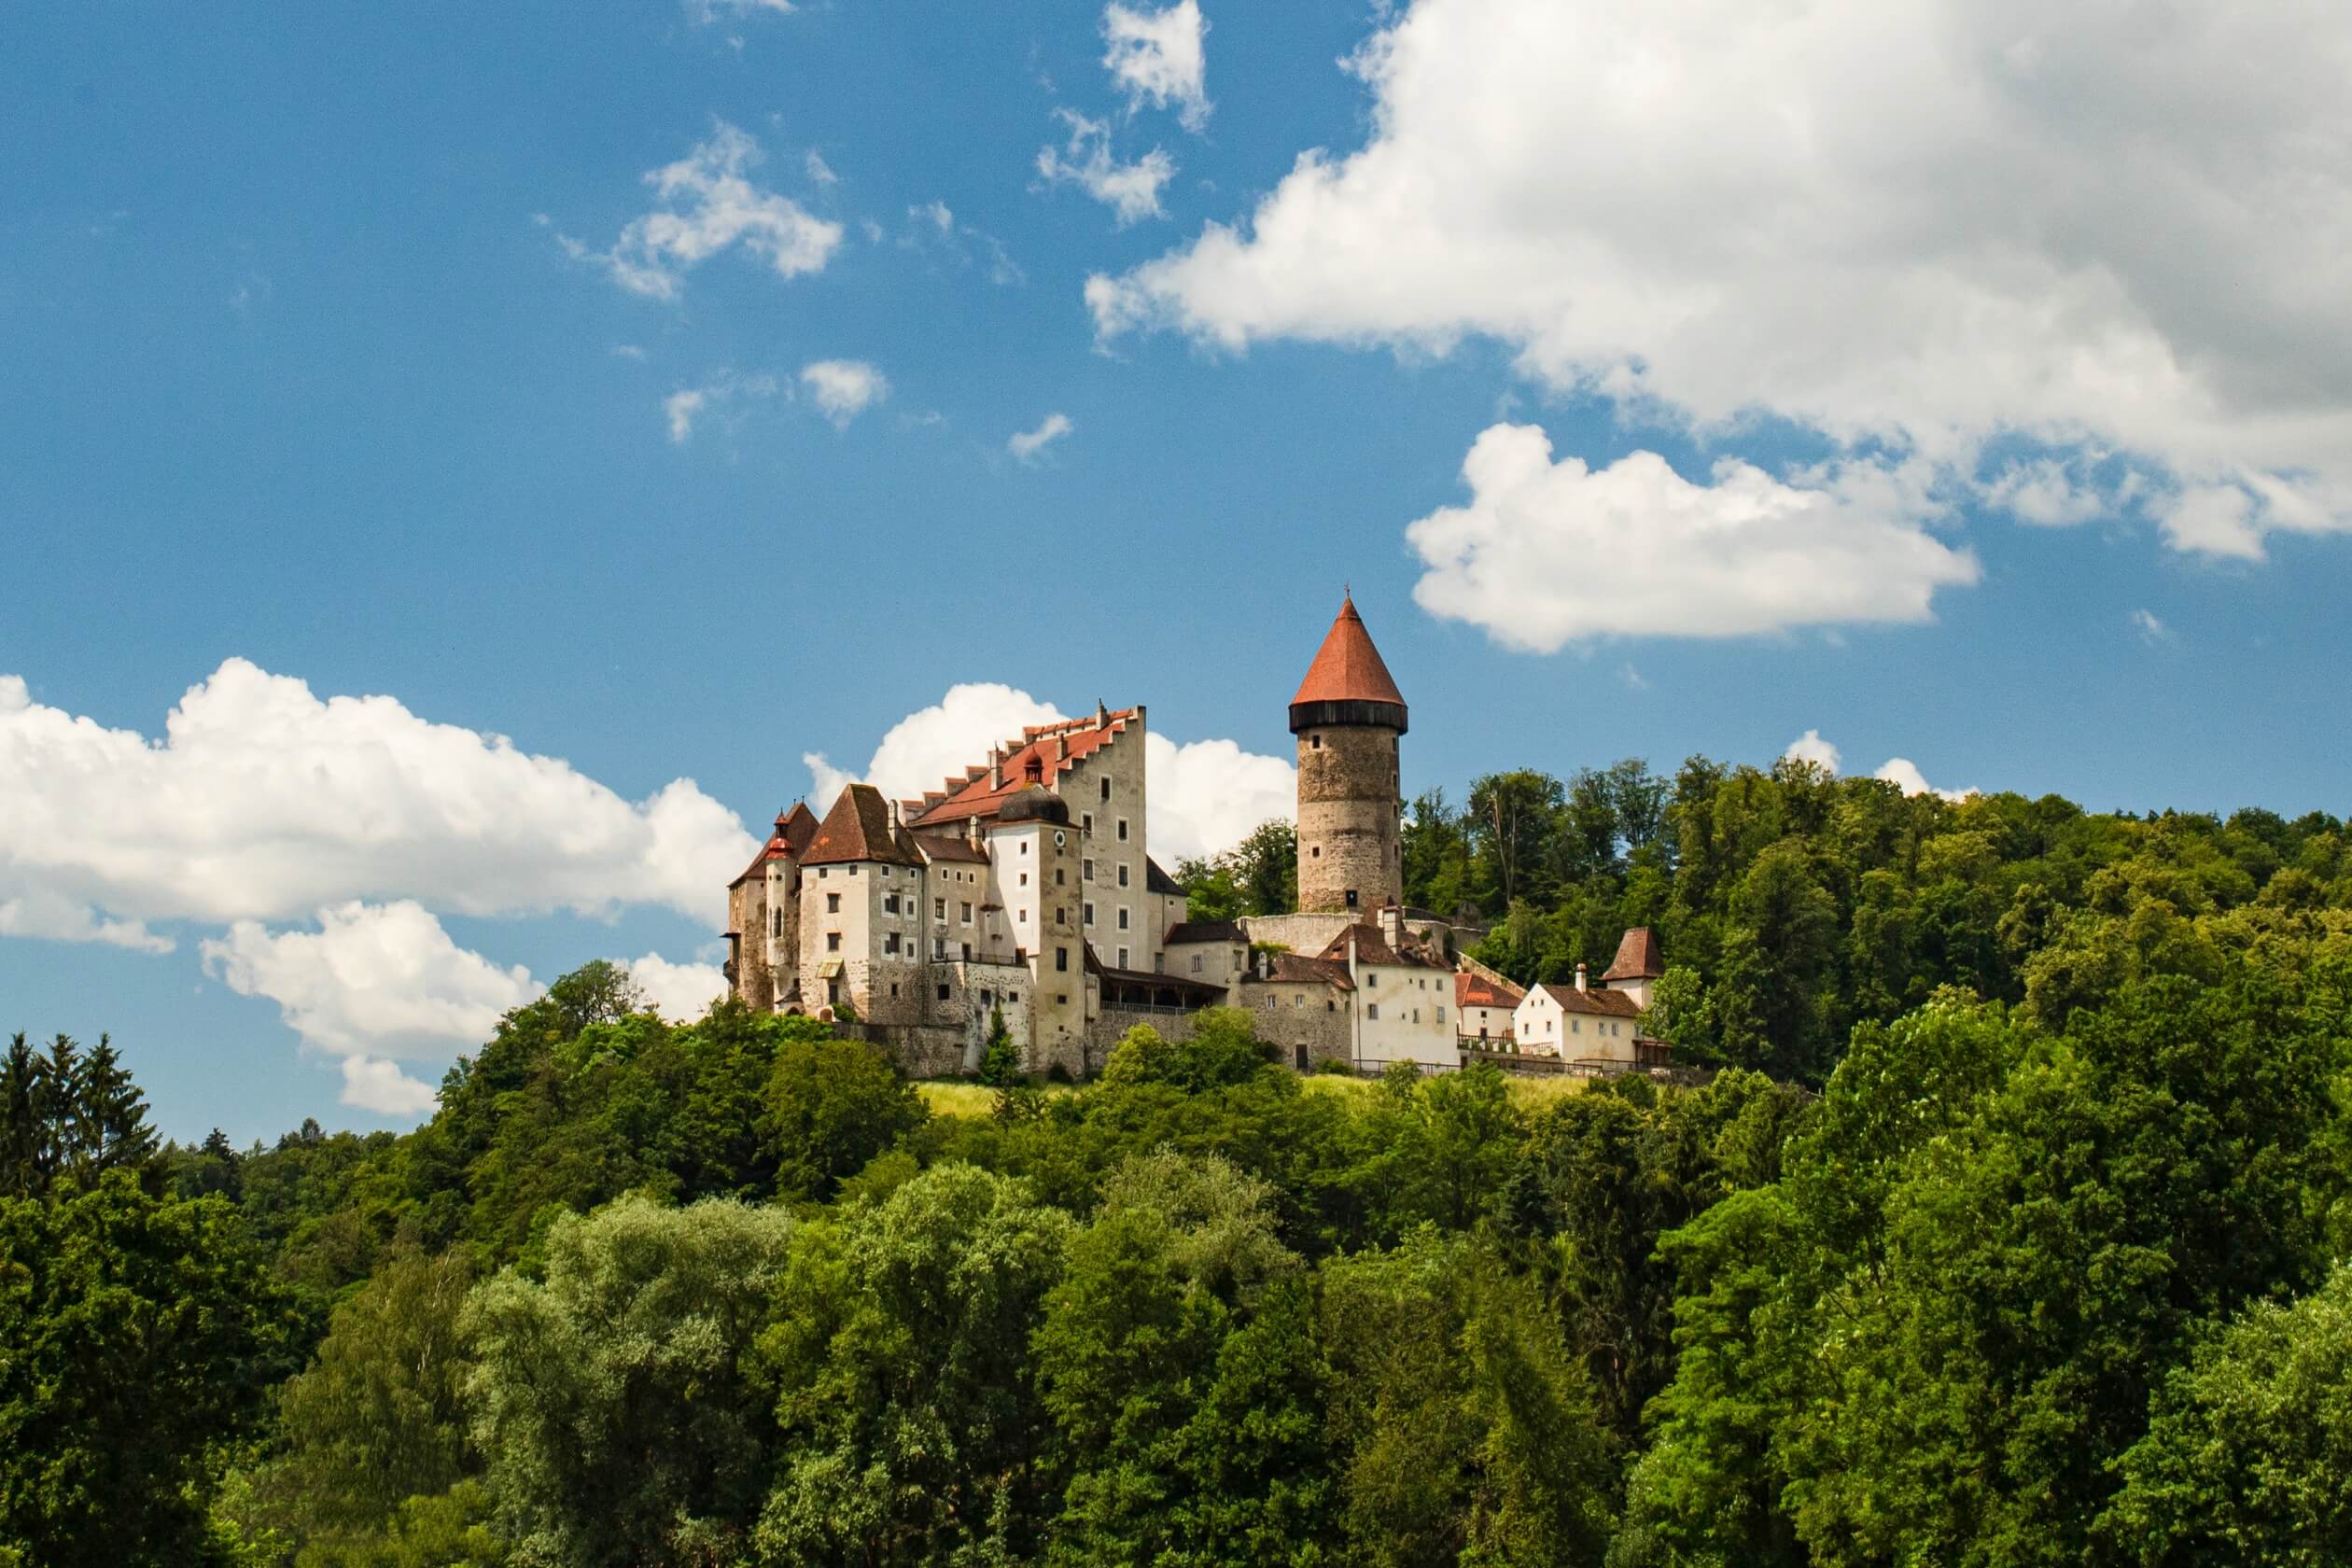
[[1052, 748], [858, 828], [1347, 666], [1477, 991], [1637, 958]]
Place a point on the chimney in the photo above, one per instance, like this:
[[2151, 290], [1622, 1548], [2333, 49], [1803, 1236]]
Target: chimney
[[1392, 924], [1352, 952], [996, 767], [894, 812], [1580, 977], [1061, 745], [1265, 963]]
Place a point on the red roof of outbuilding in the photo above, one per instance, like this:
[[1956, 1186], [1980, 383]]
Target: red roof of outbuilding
[[1347, 666], [1477, 991]]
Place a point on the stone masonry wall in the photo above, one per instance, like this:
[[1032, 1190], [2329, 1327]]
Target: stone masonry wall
[[1348, 830]]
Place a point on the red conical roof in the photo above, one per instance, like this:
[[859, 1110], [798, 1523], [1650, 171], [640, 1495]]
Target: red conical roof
[[1347, 666]]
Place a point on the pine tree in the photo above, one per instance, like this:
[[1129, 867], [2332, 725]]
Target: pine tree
[[113, 1114], [21, 1127]]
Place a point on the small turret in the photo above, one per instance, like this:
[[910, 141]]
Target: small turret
[[1349, 717]]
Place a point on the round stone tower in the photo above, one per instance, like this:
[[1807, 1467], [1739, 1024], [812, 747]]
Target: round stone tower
[[1347, 717]]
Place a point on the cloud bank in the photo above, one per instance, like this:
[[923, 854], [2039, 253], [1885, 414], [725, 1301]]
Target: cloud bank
[[2078, 264]]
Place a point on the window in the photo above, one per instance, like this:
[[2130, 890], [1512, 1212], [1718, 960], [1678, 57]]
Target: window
[[1372, 1010], [1196, 964], [833, 903], [893, 990], [1022, 915], [1371, 976], [1315, 853], [1106, 788], [1123, 916], [1441, 1014], [889, 943], [821, 871], [890, 904], [1024, 879], [1086, 821], [1416, 1018], [943, 990], [776, 921], [1085, 871], [1024, 846], [1123, 957], [1314, 743], [1062, 915], [939, 948], [1299, 999], [1061, 876], [967, 913], [939, 909], [1062, 961], [1122, 829], [832, 942], [1062, 1000], [967, 952], [1088, 910], [1123, 875], [852, 870], [1351, 898]]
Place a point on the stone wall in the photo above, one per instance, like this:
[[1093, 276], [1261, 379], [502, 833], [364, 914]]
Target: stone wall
[[1350, 831]]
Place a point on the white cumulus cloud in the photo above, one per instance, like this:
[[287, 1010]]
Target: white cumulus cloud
[[1901, 772], [1546, 552], [1130, 190], [843, 390], [1916, 227], [1810, 748], [374, 985], [1202, 796], [725, 389], [680, 992], [709, 11], [1027, 446], [262, 801], [1156, 58], [706, 203]]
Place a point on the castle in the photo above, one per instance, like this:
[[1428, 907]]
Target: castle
[[1026, 889]]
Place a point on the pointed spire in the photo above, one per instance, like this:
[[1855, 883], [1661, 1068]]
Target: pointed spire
[[1349, 669]]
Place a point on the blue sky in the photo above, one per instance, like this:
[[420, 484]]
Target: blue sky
[[312, 354]]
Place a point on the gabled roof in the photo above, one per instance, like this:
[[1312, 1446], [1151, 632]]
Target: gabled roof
[[1203, 930], [1373, 948], [1289, 969], [1158, 881], [1477, 991], [948, 847], [1347, 668], [858, 828], [1637, 958], [1055, 748], [1606, 1004]]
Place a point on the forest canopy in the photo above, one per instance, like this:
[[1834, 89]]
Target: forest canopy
[[2005, 1223]]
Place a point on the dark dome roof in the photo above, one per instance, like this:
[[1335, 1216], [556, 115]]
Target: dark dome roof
[[1035, 804]]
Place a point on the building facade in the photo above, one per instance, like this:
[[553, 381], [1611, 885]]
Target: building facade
[[1024, 888]]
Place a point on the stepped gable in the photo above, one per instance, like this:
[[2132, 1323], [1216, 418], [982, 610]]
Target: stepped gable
[[1637, 958], [794, 830], [1348, 683], [1053, 749], [1603, 1004], [1475, 990], [858, 828]]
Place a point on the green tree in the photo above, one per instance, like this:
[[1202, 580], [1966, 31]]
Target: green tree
[[379, 1417], [611, 1408], [831, 1105], [903, 1379], [138, 1334], [1513, 817], [2246, 1459]]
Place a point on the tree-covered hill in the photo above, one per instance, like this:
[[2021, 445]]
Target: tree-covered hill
[[2012, 1231]]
